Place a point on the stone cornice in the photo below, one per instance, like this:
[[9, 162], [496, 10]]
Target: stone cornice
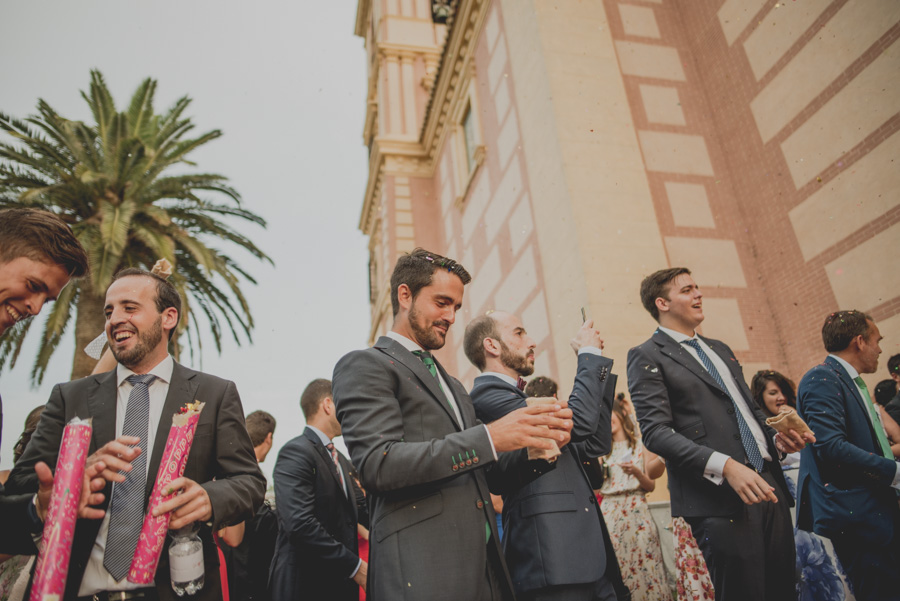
[[362, 14], [451, 77]]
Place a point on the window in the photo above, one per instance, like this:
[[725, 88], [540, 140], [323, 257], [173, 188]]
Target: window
[[469, 138]]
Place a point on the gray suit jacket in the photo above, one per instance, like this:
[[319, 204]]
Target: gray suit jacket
[[221, 450], [552, 532], [685, 416], [427, 478]]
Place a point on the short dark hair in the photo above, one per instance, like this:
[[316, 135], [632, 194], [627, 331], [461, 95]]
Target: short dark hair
[[313, 395], [259, 425], [656, 285], [41, 236], [885, 391], [416, 270], [894, 364], [841, 327], [483, 326], [541, 386], [31, 424], [758, 386], [166, 294]]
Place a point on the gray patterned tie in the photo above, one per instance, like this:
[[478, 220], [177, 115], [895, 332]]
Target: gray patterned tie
[[126, 509], [751, 448]]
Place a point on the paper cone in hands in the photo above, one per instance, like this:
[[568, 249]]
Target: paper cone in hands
[[787, 419], [546, 454]]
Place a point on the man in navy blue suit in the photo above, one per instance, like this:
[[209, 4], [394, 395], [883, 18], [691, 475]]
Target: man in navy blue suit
[[553, 534], [848, 479]]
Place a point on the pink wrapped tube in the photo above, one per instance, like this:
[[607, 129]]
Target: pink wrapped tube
[[171, 466], [59, 523]]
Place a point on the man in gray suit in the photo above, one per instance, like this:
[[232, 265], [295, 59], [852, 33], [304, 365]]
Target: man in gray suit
[[132, 406], [553, 533], [423, 458]]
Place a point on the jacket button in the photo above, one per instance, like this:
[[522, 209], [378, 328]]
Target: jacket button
[[455, 467], [479, 504], [592, 499], [731, 411], [737, 436]]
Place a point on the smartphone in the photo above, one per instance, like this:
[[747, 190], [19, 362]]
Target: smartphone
[[583, 316]]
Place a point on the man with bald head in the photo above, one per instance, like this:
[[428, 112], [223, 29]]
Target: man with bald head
[[554, 535]]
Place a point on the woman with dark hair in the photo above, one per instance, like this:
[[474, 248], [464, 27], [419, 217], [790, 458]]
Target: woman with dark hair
[[772, 391], [631, 471], [822, 577]]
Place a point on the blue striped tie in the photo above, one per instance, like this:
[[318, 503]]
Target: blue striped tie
[[751, 448], [126, 509]]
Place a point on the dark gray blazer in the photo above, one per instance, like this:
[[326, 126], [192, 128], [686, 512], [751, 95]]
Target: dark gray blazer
[[552, 532], [317, 547], [221, 450], [685, 416], [427, 478]]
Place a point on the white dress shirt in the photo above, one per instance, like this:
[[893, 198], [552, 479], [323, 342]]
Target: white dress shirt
[[411, 347], [325, 442], [96, 578], [715, 466], [851, 371]]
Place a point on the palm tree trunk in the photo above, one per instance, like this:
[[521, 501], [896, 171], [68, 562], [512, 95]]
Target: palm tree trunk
[[89, 323]]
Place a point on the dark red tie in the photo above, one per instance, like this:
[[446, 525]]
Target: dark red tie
[[520, 383]]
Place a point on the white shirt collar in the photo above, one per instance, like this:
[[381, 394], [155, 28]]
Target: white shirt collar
[[851, 371], [162, 370], [325, 440], [678, 336], [504, 377], [406, 342]]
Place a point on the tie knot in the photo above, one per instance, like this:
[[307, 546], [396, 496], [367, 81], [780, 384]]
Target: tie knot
[[330, 446], [692, 343], [520, 383], [425, 357], [862, 384], [145, 379]]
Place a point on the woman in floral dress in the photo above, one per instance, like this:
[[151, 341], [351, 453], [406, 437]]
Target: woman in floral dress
[[631, 471]]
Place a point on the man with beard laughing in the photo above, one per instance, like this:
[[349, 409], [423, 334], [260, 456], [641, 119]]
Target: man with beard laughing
[[132, 407], [554, 535]]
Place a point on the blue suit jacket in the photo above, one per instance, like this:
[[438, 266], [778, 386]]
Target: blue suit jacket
[[845, 483], [552, 533]]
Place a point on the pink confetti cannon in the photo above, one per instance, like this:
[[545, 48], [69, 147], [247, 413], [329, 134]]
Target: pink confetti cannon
[[59, 523], [153, 532]]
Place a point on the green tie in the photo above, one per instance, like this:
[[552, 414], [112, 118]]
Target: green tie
[[876, 419]]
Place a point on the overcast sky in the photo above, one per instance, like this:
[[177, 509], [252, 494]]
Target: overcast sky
[[285, 82]]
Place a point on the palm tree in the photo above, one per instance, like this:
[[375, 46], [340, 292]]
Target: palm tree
[[124, 185]]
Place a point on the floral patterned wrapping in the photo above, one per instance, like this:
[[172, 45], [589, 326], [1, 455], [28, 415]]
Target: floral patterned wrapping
[[59, 524], [153, 532]]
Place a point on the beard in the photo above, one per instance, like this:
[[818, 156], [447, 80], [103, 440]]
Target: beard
[[518, 363], [425, 334], [146, 342]]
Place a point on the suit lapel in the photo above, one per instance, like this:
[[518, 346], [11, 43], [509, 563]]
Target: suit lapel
[[182, 389], [397, 352], [851, 389], [313, 439], [679, 354], [102, 405]]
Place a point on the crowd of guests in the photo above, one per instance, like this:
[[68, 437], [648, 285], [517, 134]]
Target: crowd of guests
[[411, 513]]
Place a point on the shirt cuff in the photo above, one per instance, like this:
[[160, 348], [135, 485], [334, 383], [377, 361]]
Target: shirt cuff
[[491, 440], [358, 565], [715, 468], [896, 482], [593, 350]]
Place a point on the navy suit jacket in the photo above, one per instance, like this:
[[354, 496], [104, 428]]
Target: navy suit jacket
[[552, 533], [844, 483], [317, 547], [685, 416]]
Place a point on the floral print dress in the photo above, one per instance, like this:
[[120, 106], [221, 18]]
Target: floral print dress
[[631, 527]]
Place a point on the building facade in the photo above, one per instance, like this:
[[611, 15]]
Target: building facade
[[562, 150]]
